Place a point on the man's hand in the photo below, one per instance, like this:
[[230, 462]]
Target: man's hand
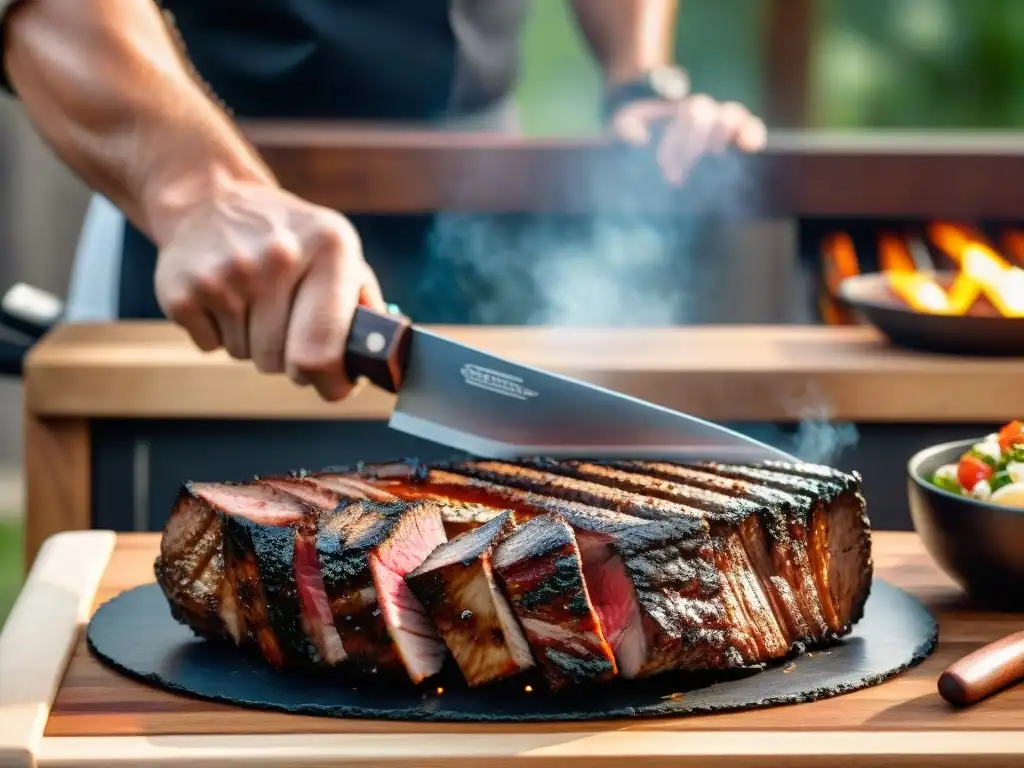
[[270, 277], [688, 129]]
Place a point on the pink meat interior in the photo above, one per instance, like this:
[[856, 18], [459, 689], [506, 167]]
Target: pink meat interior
[[614, 599], [317, 620], [259, 503], [418, 643]]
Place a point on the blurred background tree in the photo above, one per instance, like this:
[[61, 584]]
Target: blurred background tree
[[935, 64]]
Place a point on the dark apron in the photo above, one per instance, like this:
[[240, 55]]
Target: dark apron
[[417, 61]]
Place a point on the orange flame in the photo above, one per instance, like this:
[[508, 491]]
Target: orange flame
[[839, 261], [980, 264]]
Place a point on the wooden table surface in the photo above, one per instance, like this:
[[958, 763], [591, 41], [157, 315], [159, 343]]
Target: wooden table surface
[[724, 373], [96, 715]]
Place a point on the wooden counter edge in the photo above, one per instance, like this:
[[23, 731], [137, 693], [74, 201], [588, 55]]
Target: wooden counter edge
[[40, 635], [692, 749], [732, 373]]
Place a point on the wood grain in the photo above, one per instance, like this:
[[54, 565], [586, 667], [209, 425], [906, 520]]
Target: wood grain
[[94, 701], [35, 643], [58, 473], [380, 169], [139, 370]]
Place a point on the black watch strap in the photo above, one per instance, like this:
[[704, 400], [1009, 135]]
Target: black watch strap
[[668, 83]]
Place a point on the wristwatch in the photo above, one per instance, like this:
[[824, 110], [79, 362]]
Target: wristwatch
[[664, 83]]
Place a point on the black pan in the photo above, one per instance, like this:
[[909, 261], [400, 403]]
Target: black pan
[[983, 334]]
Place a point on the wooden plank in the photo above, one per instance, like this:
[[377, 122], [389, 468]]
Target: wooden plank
[[58, 478], [759, 373], [584, 749], [865, 173], [95, 701], [40, 634]]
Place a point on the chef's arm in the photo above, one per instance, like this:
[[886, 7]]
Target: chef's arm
[[105, 84], [628, 37]]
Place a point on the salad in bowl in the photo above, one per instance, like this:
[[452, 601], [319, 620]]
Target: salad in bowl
[[990, 470]]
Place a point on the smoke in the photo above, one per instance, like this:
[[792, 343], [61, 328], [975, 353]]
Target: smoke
[[817, 438], [622, 268]]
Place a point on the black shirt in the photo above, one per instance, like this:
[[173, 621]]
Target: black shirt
[[360, 59]]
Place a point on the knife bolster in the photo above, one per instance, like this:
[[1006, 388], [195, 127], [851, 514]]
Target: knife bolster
[[377, 349]]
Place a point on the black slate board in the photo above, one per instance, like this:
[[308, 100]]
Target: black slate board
[[135, 634]]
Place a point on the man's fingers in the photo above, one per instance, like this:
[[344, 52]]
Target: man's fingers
[[325, 301], [272, 306], [183, 310], [633, 123], [753, 136], [725, 131], [371, 295]]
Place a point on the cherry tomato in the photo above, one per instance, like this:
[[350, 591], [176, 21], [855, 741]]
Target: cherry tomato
[[1010, 435], [971, 470]]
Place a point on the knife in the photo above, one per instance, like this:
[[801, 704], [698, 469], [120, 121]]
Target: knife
[[481, 404]]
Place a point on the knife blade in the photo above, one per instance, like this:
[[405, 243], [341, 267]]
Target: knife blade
[[481, 404]]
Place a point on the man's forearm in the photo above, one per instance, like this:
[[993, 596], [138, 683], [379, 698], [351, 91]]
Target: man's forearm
[[628, 37], [106, 86]]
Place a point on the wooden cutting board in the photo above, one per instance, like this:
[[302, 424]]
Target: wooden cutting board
[[60, 707]]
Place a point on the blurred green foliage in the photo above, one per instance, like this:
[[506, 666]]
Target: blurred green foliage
[[942, 64]]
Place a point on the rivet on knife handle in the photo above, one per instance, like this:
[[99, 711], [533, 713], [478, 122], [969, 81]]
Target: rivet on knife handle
[[378, 348], [984, 672]]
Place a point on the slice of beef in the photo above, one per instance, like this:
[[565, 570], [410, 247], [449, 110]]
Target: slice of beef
[[753, 628], [315, 616], [365, 550], [649, 591], [541, 575], [260, 601], [457, 586]]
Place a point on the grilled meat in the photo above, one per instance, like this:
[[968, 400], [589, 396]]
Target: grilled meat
[[616, 567], [540, 571], [365, 553], [457, 586]]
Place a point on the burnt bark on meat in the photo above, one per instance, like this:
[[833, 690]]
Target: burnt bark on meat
[[541, 574], [365, 551], [458, 587], [626, 567]]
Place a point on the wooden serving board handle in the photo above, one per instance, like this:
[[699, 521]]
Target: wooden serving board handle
[[984, 672], [377, 348]]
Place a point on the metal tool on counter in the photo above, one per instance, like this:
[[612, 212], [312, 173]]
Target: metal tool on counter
[[984, 672], [474, 402], [26, 314]]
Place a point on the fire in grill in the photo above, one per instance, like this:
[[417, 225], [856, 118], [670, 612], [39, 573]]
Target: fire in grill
[[940, 268]]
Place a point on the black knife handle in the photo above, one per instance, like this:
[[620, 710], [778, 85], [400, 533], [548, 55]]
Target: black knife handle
[[378, 348]]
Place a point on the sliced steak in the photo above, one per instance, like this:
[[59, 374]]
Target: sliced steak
[[753, 629], [365, 550], [540, 572], [457, 586], [259, 598]]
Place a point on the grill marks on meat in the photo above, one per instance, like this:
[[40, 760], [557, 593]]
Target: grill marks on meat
[[540, 571], [365, 553], [458, 587], [753, 627], [586, 569]]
